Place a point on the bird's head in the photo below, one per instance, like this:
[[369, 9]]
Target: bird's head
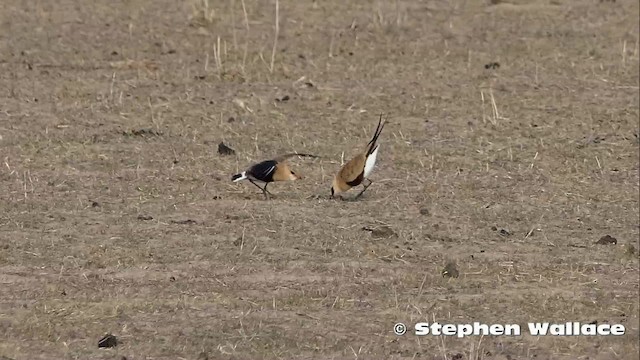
[[337, 187], [285, 173], [294, 176]]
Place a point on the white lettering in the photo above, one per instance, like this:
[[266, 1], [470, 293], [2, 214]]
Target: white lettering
[[496, 329], [477, 327], [558, 329], [422, 328], [617, 329], [435, 329], [575, 329], [464, 330], [512, 330], [538, 329], [590, 329], [570, 328], [448, 329]]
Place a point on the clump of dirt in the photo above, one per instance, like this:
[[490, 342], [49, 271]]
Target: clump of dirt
[[225, 150], [380, 232], [607, 240]]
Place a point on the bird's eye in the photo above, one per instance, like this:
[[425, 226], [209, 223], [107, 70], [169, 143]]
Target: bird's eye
[[293, 173]]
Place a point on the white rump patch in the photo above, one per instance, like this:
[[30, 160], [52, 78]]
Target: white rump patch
[[370, 162]]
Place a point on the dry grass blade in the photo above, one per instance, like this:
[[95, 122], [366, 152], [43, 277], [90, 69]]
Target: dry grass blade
[[275, 37]]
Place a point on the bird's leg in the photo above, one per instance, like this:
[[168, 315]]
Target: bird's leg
[[365, 189], [264, 190], [258, 186]]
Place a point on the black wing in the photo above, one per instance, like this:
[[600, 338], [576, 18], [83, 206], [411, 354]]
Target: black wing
[[263, 171]]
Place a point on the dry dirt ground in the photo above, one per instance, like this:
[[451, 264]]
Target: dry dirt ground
[[511, 148]]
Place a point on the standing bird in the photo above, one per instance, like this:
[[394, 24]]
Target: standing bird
[[269, 171], [354, 172]]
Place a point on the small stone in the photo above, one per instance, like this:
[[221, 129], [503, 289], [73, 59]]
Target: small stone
[[492, 65], [504, 232], [225, 150], [108, 341], [184, 222], [607, 240], [380, 232], [450, 270]]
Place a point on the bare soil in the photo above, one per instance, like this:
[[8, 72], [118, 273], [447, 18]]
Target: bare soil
[[511, 149]]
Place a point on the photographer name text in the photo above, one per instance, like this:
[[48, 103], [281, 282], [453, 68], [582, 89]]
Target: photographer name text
[[534, 328]]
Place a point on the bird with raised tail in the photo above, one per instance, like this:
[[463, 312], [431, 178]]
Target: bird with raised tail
[[269, 171], [356, 170]]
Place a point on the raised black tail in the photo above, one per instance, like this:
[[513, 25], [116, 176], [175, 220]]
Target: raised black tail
[[371, 146], [239, 177]]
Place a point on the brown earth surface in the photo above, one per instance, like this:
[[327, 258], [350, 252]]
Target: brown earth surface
[[511, 149]]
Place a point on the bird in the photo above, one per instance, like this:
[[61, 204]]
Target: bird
[[268, 171], [356, 170]]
